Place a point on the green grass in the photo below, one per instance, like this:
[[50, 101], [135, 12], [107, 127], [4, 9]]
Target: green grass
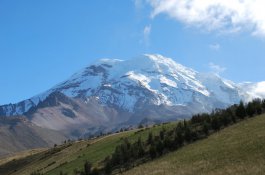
[[96, 152], [238, 149], [68, 158]]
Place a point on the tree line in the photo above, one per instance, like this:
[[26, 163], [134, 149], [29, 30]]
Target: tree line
[[129, 154]]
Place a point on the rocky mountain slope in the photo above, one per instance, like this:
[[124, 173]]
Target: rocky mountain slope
[[18, 133], [110, 94]]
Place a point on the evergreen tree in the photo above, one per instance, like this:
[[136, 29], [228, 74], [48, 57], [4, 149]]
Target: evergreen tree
[[206, 128], [168, 142], [152, 151], [108, 167], [141, 151], [241, 111], [150, 139], [178, 140], [185, 124], [162, 134], [215, 123], [179, 126], [257, 103], [226, 118], [187, 134], [159, 147], [250, 109], [95, 171], [230, 112], [263, 104], [140, 126], [87, 167]]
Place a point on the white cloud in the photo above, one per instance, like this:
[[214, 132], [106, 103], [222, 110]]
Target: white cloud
[[216, 68], [215, 46], [260, 89], [146, 33], [253, 90], [220, 15], [147, 30], [138, 4]]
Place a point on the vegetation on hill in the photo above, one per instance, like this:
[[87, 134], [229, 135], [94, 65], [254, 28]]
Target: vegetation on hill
[[71, 156], [130, 154], [122, 151], [236, 150]]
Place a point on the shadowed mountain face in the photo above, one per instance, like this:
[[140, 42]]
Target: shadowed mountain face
[[111, 94], [18, 133]]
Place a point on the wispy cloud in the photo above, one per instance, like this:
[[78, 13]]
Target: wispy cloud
[[216, 68], [146, 34], [138, 3], [215, 46], [219, 15]]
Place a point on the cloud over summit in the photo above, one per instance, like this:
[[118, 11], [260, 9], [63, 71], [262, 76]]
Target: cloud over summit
[[215, 15]]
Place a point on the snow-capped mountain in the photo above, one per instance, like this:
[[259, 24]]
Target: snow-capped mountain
[[149, 86]]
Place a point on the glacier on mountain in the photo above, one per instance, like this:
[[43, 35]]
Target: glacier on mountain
[[150, 79]]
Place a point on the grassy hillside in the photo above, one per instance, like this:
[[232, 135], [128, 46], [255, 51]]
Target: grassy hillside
[[71, 156], [238, 149], [20, 155]]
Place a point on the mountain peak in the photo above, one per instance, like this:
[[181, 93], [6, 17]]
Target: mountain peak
[[146, 79]]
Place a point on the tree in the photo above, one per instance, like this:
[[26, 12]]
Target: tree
[[179, 126], [150, 139], [205, 128], [185, 124], [140, 148], [187, 134], [225, 118], [178, 140], [108, 167], [200, 118], [140, 126], [263, 104], [250, 109], [168, 142], [215, 123], [159, 147], [162, 134], [241, 111], [152, 151], [87, 167], [257, 104], [95, 171], [229, 111], [116, 157]]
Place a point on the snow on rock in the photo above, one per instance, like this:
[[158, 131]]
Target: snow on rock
[[147, 79], [168, 82]]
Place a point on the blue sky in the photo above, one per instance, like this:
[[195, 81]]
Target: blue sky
[[44, 42]]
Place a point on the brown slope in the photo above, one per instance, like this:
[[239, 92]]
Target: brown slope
[[17, 134]]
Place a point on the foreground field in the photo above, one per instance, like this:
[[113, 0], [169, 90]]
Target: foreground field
[[238, 149], [71, 156], [21, 155]]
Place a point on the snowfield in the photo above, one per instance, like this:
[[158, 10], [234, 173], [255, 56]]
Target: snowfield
[[147, 79]]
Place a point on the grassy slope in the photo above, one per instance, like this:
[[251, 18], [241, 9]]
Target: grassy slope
[[98, 151], [21, 155], [75, 155], [238, 149]]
